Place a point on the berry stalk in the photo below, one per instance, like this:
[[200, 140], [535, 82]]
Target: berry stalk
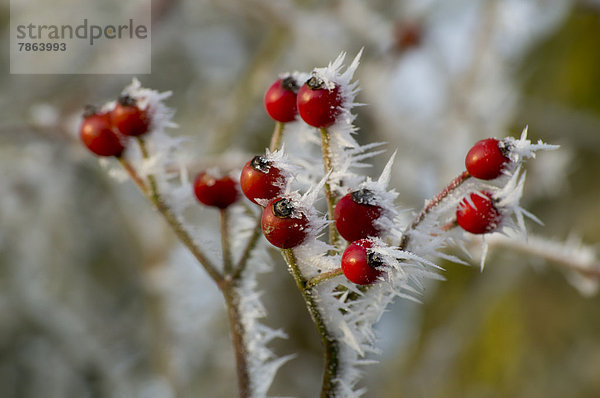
[[277, 136], [323, 277], [455, 183], [334, 238]]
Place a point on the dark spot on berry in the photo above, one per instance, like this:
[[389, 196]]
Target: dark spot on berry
[[260, 163], [374, 259], [505, 148], [363, 197], [89, 110], [315, 83], [283, 208], [290, 84], [127, 100]]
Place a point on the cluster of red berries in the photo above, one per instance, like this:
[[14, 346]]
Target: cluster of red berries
[[316, 104], [486, 160], [103, 133], [285, 225]]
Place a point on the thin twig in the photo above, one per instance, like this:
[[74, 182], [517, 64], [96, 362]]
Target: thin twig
[[155, 198], [329, 385], [232, 300], [323, 277], [225, 242], [334, 238], [241, 264], [135, 177]]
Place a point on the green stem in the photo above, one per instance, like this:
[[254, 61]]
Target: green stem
[[334, 238], [329, 384], [277, 136], [323, 277], [225, 244], [455, 183]]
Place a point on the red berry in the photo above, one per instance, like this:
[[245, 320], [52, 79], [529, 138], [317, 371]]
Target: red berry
[[128, 118], [280, 100], [318, 106], [97, 134], [480, 216], [486, 159], [360, 265], [216, 192], [355, 215], [261, 180], [284, 225]]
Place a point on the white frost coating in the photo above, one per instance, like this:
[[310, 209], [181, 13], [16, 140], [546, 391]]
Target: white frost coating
[[580, 262], [345, 152], [262, 362], [351, 321], [523, 149]]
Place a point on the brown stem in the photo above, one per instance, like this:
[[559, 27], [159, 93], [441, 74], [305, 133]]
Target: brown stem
[[232, 301], [334, 238], [225, 244], [155, 198], [330, 345], [455, 183], [135, 177]]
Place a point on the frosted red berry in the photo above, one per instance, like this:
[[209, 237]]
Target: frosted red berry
[[356, 214], [215, 192], [318, 105], [260, 179], [97, 134], [128, 118], [486, 159], [360, 265], [284, 225], [480, 216], [280, 100]]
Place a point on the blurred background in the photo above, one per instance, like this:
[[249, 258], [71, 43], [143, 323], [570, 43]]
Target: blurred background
[[97, 299]]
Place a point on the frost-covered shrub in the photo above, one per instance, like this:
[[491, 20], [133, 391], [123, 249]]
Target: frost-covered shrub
[[308, 194]]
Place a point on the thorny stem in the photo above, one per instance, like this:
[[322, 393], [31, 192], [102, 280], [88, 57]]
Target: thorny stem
[[455, 183], [329, 385], [323, 277], [225, 244], [334, 238]]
